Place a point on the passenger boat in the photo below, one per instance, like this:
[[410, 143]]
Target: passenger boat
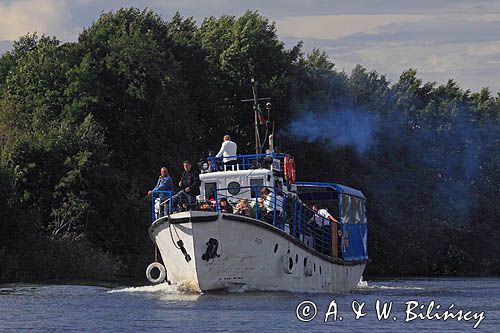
[[278, 244]]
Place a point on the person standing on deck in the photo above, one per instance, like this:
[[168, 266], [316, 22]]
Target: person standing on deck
[[228, 148], [323, 212], [164, 183], [189, 184], [328, 224]]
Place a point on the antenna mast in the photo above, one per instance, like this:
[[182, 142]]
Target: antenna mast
[[258, 116]]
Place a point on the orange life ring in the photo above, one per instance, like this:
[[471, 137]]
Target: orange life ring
[[289, 169]]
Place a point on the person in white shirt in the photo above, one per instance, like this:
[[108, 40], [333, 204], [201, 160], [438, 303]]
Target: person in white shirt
[[228, 148], [272, 203], [328, 225], [325, 217]]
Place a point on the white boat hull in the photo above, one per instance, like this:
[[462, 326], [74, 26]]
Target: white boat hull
[[252, 255]]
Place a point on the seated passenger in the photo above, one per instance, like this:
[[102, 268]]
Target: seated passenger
[[273, 204], [206, 167], [225, 206], [211, 166], [211, 199], [205, 206], [189, 187], [242, 208], [261, 208]]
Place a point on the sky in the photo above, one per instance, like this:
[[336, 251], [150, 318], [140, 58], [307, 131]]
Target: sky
[[442, 39]]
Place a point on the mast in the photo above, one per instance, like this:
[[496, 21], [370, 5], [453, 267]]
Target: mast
[[258, 116]]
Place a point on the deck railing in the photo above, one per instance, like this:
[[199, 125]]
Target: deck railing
[[161, 204], [242, 162], [282, 210]]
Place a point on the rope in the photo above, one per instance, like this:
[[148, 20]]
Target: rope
[[220, 237], [172, 237]]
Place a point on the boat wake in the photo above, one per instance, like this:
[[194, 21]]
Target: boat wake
[[364, 285], [185, 288], [391, 288]]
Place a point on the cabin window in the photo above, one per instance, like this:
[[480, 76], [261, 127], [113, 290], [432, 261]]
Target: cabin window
[[353, 210], [233, 188], [210, 189], [258, 183]]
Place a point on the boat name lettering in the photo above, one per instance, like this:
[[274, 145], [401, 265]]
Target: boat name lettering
[[231, 278]]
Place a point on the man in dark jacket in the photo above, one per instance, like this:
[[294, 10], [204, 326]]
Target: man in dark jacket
[[189, 184]]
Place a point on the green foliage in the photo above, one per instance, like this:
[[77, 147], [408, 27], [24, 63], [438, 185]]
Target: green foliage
[[239, 49], [367, 89], [7, 212], [41, 259], [129, 80], [36, 83]]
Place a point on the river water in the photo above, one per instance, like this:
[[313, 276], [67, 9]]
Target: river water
[[58, 308]]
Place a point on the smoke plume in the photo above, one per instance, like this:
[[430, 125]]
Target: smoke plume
[[345, 127]]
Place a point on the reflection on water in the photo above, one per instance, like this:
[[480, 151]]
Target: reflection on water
[[179, 308]]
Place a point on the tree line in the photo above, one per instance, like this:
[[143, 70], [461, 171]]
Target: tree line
[[85, 126]]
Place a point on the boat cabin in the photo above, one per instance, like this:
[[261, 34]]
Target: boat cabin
[[244, 179], [232, 184]]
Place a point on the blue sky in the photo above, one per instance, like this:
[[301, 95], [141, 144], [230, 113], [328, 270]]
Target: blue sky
[[441, 38]]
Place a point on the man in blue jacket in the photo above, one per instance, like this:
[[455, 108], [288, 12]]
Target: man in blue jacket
[[164, 184]]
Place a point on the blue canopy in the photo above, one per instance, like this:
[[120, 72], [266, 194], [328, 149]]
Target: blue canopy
[[337, 187]]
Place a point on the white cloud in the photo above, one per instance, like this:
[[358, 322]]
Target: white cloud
[[43, 16], [336, 26], [458, 46], [373, 28], [441, 38]]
